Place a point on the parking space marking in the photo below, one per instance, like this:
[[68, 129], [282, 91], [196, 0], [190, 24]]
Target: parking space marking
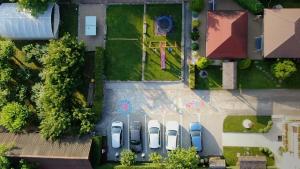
[[163, 135], [146, 140], [181, 136], [128, 124]]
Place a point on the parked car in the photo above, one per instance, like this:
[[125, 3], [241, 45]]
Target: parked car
[[172, 129], [117, 134], [136, 137], [196, 135], [154, 134]]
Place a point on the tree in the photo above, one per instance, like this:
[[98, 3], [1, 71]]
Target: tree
[[4, 163], [14, 117], [23, 164], [202, 63], [33, 53], [7, 50], [127, 158], [182, 159], [283, 69], [35, 7]]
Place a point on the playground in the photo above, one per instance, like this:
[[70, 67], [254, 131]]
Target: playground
[[162, 42]]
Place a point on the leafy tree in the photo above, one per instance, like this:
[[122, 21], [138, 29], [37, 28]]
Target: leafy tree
[[156, 158], [35, 7], [5, 74], [23, 164], [202, 63], [197, 5], [3, 97], [14, 117], [284, 69], [182, 159], [4, 163], [127, 158], [7, 50], [33, 53]]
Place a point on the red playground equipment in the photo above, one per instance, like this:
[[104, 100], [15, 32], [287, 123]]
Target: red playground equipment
[[162, 45]]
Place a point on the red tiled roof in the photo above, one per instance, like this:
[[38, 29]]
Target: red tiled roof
[[227, 33]]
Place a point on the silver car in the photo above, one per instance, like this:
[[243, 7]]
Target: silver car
[[117, 134], [154, 134]]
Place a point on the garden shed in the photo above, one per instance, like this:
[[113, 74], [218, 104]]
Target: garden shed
[[20, 25]]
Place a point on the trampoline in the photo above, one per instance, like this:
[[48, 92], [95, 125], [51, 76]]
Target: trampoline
[[163, 25]]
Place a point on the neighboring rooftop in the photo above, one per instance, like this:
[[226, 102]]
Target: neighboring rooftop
[[33, 145], [282, 33], [226, 36], [20, 25], [252, 162]]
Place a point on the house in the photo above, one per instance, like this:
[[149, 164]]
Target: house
[[252, 162], [227, 34], [19, 25], [71, 153], [281, 33]]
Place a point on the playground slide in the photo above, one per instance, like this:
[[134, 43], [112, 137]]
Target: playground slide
[[162, 56]]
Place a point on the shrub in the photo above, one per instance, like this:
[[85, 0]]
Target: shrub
[[182, 158], [196, 23], [127, 158], [244, 64], [7, 49], [202, 63], [270, 123], [155, 158], [197, 5], [254, 6], [283, 69], [192, 76], [195, 46], [14, 117], [34, 53], [4, 163], [96, 151], [195, 35]]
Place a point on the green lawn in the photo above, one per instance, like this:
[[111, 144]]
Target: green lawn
[[153, 69], [124, 57], [230, 154], [259, 76], [68, 19], [123, 60], [234, 123], [213, 80]]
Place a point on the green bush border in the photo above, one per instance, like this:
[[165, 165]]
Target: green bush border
[[192, 76], [95, 154]]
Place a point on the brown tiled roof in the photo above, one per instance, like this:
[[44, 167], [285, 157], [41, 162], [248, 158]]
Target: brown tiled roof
[[33, 145], [282, 33], [227, 33]]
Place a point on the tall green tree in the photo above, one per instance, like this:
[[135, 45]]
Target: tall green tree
[[35, 7], [182, 159], [13, 117]]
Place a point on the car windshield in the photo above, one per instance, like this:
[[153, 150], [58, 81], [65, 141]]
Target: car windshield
[[116, 129], [195, 133], [172, 132], [154, 130]]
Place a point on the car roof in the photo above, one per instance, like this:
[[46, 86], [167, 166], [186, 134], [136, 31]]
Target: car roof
[[116, 138], [171, 142], [154, 140], [195, 126]]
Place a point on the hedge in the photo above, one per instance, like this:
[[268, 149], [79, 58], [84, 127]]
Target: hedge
[[192, 76], [96, 147], [137, 167], [99, 81], [254, 6], [197, 5], [244, 64]]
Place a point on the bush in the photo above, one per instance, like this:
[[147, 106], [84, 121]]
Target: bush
[[195, 46], [244, 64], [196, 23], [96, 151], [182, 158], [4, 163], [197, 5], [155, 158], [254, 6], [192, 76], [283, 69], [7, 49], [14, 117], [127, 158], [202, 63], [34, 53], [195, 35]]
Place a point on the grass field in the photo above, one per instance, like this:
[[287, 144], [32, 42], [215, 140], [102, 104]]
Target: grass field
[[124, 57], [68, 19], [259, 76], [213, 80], [235, 123], [153, 69], [230, 154]]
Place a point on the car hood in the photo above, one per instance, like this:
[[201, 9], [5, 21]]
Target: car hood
[[116, 138], [154, 141], [172, 142], [196, 141]]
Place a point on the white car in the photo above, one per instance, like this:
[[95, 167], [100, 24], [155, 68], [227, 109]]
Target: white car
[[116, 134], [172, 129], [154, 134]]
